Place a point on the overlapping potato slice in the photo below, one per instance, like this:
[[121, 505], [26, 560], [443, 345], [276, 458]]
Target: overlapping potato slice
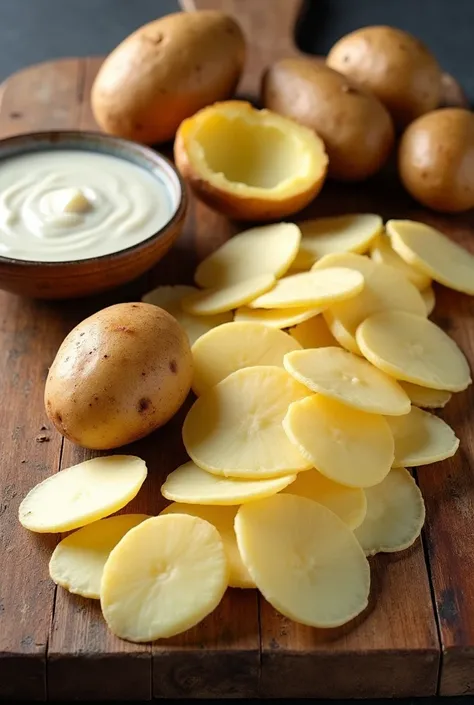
[[78, 560], [219, 300], [425, 397], [314, 333], [429, 298], [413, 349], [234, 346], [163, 577], [433, 253], [278, 317], [169, 298], [304, 560], [349, 503], [350, 379], [82, 494], [235, 428], [269, 249], [340, 233], [346, 445], [421, 438], [395, 514], [311, 289], [382, 252], [342, 335], [223, 519], [189, 484]]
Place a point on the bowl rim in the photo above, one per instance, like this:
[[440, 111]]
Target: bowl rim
[[159, 159]]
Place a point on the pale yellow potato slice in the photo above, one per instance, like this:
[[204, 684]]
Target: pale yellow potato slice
[[304, 560], [346, 445], [234, 346], [429, 298], [433, 253], [163, 577], [269, 249], [382, 252], [276, 318], [169, 298], [223, 519], [78, 560], [395, 514], [385, 289], [312, 289], [212, 301], [349, 503], [340, 233], [313, 333], [425, 397], [421, 438], [350, 379], [413, 349], [235, 428], [82, 494]]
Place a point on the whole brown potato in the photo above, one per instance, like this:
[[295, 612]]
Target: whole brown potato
[[395, 66], [436, 160], [118, 376], [355, 127], [166, 71]]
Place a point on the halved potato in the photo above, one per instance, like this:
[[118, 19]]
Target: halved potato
[[250, 164]]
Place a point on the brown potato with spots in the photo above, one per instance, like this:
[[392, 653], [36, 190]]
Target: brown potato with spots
[[118, 376]]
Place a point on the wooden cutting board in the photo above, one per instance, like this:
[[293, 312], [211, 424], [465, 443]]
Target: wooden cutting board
[[417, 636]]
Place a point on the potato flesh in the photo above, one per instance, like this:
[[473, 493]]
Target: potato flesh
[[429, 298], [314, 333], [220, 300], [383, 253], [421, 438], [276, 318], [425, 397]]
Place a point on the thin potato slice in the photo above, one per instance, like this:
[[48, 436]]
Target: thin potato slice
[[421, 438], [425, 397], [269, 249], [313, 333], [350, 379], [311, 289], [213, 301], [395, 514], [169, 298], [304, 560], [413, 349], [349, 503], [383, 253], [189, 484], [346, 445], [433, 253], [163, 577], [223, 519], [82, 494], [78, 560], [234, 346], [429, 298], [235, 428], [341, 334], [276, 318]]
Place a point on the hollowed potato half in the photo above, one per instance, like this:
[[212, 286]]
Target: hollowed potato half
[[250, 164]]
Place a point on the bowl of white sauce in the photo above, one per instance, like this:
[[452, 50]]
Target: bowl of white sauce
[[83, 212]]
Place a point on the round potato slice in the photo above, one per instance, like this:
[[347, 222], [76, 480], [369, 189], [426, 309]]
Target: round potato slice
[[413, 349], [350, 379], [433, 253], [269, 249], [429, 298], [82, 494], [304, 560], [78, 560], [234, 346], [340, 333], [395, 514], [212, 301], [223, 519], [276, 318], [346, 445], [163, 577], [189, 484], [313, 333], [382, 252], [235, 428], [421, 438], [425, 397], [311, 289], [349, 503], [169, 298]]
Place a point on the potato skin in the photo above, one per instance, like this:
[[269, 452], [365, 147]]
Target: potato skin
[[118, 376], [395, 66], [356, 128], [436, 160], [166, 71]]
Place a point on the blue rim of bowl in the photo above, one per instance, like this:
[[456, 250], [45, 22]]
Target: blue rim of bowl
[[90, 141]]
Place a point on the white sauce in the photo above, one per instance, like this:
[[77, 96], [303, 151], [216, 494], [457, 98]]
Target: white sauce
[[62, 205]]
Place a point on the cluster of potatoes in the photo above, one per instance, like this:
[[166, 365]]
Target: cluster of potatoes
[[338, 117]]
